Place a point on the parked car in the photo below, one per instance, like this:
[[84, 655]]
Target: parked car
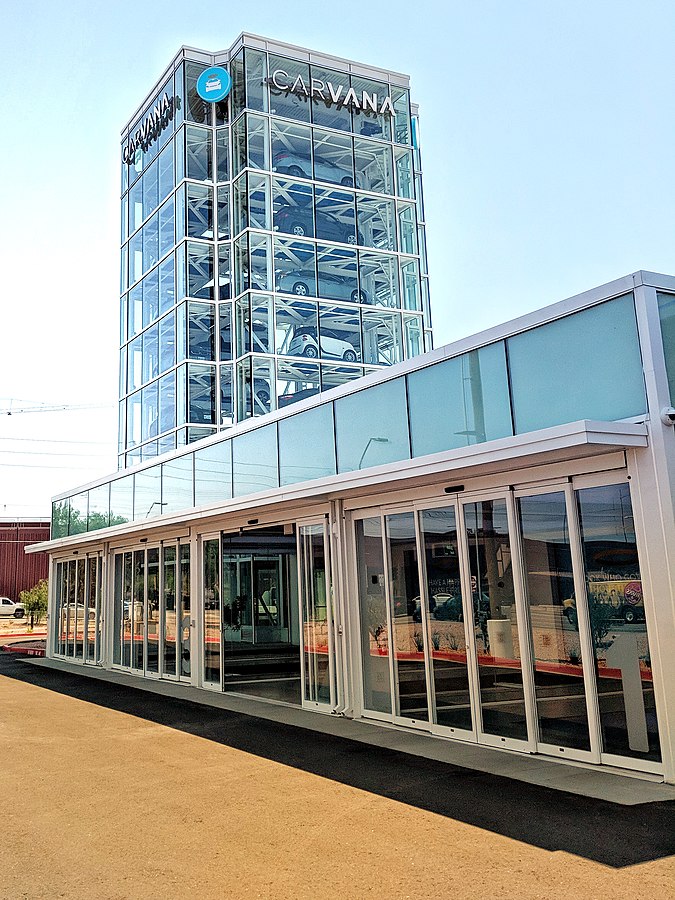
[[299, 221], [300, 166], [10, 608], [332, 287], [305, 343]]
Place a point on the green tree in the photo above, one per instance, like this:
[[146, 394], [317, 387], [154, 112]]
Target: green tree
[[35, 601]]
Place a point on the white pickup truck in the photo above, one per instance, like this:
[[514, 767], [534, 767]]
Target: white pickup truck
[[9, 608]]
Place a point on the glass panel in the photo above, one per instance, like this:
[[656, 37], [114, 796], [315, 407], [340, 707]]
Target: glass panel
[[138, 610], [211, 612], [177, 484], [200, 271], [213, 473], [296, 323], [224, 272], [373, 616], [196, 109], [198, 155], [201, 395], [404, 174], [594, 388], [407, 228], [223, 153], [201, 331], [412, 332], [382, 341], [226, 396], [295, 267], [374, 170], [263, 385], [99, 508], [365, 117], [79, 511], [376, 222], [148, 493], [185, 621], [255, 63], [339, 334], [291, 149], [296, 381], [167, 289], [338, 276], [623, 673], [402, 130], [91, 621], [60, 514], [316, 619], [169, 608], [153, 629], [259, 201], [335, 217], [667, 317], [167, 402], [445, 620], [199, 211], [333, 87], [167, 342], [122, 500], [307, 445], [472, 394], [258, 142], [556, 646], [254, 459], [379, 279], [333, 160], [410, 283], [495, 621], [410, 681], [79, 612], [372, 427], [283, 75], [293, 207], [71, 608]]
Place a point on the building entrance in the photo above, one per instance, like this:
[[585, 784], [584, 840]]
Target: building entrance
[[511, 619]]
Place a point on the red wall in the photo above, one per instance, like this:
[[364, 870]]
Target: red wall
[[18, 570]]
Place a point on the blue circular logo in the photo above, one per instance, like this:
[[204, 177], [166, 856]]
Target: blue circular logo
[[214, 84]]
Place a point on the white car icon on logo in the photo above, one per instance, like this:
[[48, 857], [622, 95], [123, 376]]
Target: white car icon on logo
[[213, 83]]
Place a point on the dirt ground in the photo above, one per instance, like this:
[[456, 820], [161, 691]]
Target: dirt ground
[[101, 803]]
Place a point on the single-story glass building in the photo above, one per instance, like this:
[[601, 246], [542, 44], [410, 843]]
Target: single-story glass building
[[477, 543]]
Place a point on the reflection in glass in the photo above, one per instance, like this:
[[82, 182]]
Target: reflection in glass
[[445, 620], [254, 459], [495, 621], [371, 427], [471, 391], [316, 617], [623, 673], [185, 620], [667, 317], [169, 612], [373, 616], [211, 612], [137, 610], [410, 693], [556, 646], [153, 623]]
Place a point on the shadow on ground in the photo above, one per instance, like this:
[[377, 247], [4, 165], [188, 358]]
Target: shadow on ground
[[597, 830]]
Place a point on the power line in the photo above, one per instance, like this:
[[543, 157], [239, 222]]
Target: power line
[[55, 441], [52, 453], [62, 408]]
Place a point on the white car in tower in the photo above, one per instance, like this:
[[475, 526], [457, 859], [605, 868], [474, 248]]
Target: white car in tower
[[305, 343]]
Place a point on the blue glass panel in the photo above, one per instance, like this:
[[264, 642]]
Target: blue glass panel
[[585, 366], [307, 445], [213, 473], [177, 484], [372, 427], [459, 402], [254, 461], [667, 316]]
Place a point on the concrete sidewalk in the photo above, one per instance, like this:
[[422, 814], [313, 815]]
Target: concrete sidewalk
[[121, 792]]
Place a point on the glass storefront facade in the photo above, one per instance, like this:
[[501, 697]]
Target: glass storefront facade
[[273, 244]]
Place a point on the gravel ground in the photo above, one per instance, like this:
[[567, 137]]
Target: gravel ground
[[117, 793]]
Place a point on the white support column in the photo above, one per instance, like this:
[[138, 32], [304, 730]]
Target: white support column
[[652, 472]]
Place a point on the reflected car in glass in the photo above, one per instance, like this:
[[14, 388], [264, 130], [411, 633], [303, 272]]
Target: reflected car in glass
[[300, 166], [10, 608], [305, 343], [333, 287], [298, 221]]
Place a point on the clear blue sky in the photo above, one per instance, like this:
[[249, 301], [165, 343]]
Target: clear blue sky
[[547, 131]]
